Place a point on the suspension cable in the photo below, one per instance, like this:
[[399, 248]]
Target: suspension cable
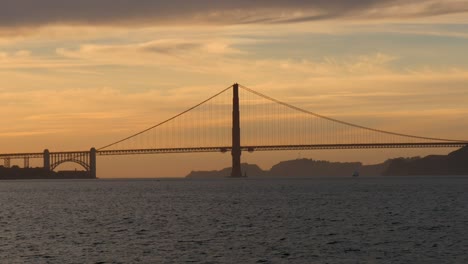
[[343, 122], [165, 121]]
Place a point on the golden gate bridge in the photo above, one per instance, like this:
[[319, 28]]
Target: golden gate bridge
[[239, 119]]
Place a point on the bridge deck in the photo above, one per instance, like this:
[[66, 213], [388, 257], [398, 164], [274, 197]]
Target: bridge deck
[[39, 155], [284, 147], [244, 148]]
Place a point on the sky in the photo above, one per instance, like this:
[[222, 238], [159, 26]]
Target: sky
[[82, 74]]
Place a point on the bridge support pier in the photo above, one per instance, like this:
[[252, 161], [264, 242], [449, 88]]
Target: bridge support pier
[[92, 163], [236, 147], [46, 160]]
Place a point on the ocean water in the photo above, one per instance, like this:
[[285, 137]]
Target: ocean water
[[340, 220]]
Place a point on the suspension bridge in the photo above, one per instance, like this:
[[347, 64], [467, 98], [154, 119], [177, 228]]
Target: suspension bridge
[[236, 120]]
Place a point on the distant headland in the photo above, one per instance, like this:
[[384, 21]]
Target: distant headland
[[17, 173], [455, 163]]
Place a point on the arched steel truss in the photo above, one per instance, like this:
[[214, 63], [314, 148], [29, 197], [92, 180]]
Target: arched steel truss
[[81, 158]]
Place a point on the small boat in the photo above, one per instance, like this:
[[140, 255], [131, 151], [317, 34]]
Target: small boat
[[356, 174]]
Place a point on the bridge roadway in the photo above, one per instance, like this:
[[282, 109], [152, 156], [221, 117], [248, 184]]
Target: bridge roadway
[[284, 147], [243, 148]]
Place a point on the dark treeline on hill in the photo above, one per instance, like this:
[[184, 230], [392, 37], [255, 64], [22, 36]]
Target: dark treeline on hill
[[455, 163], [299, 168], [17, 173]]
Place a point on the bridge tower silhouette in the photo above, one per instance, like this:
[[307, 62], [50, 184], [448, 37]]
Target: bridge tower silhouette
[[236, 151]]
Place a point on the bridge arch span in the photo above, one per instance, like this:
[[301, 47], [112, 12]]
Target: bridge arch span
[[82, 158], [72, 160]]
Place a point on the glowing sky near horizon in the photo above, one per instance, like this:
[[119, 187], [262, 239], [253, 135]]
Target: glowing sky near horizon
[[78, 74]]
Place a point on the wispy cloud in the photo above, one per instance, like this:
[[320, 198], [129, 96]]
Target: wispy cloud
[[31, 13], [172, 47], [15, 134]]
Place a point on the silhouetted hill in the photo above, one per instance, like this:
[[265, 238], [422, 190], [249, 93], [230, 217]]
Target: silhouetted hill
[[251, 170], [301, 168], [374, 170], [455, 163]]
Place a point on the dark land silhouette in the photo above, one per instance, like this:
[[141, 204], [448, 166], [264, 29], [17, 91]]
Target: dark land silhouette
[[17, 173], [455, 163]]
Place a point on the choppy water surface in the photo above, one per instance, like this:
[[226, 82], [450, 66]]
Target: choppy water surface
[[363, 220]]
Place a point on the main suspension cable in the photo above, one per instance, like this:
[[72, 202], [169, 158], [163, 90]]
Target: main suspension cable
[[343, 122], [165, 121]]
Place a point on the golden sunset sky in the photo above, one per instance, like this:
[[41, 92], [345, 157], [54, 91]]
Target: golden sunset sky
[[82, 74]]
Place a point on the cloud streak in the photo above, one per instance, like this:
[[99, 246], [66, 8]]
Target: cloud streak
[[33, 13]]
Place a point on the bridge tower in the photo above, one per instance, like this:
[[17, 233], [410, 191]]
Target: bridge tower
[[236, 147], [47, 160], [92, 163]]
